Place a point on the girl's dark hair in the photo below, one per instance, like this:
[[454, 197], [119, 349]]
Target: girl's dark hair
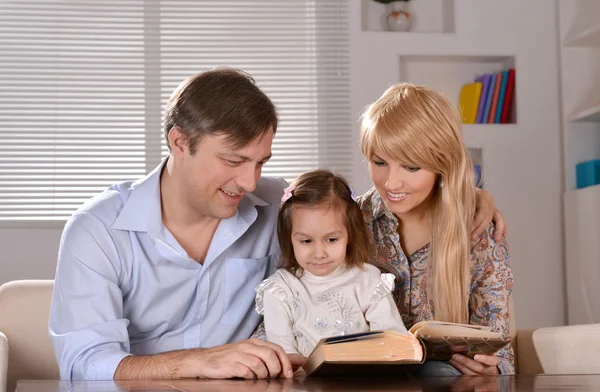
[[329, 190]]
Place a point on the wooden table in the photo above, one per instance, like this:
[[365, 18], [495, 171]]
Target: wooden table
[[491, 383]]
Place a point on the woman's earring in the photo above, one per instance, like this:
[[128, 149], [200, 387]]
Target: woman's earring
[[441, 184]]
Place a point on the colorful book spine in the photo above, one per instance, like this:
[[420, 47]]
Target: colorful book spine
[[494, 104], [508, 97], [485, 84], [488, 99], [501, 97]]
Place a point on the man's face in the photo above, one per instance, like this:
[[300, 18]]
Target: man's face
[[218, 176]]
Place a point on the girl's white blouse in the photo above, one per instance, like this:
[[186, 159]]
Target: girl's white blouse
[[301, 311]]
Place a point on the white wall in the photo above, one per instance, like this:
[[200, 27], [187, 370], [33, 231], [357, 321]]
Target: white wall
[[28, 253], [522, 161]]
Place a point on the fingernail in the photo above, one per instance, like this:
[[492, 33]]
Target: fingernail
[[289, 374], [477, 357], [455, 357]]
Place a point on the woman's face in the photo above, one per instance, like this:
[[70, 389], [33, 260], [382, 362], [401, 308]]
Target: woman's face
[[402, 187]]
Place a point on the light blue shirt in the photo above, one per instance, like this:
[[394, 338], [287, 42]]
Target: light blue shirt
[[125, 286]]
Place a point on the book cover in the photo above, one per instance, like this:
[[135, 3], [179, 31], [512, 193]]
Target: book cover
[[508, 97], [488, 99], [441, 339], [485, 81], [501, 97], [469, 101], [494, 104]]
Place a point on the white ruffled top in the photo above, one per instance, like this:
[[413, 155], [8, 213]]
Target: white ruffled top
[[301, 311]]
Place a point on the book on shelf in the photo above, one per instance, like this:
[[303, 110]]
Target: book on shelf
[[508, 97], [501, 97], [494, 105], [495, 96], [389, 352], [469, 102], [485, 81], [488, 99]]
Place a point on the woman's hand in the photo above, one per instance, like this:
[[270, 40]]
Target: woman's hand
[[486, 211], [479, 365]]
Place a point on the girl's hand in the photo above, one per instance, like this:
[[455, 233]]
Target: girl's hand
[[481, 364]]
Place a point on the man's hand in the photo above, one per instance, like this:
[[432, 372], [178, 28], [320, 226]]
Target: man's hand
[[297, 361], [486, 211], [247, 359], [480, 365]]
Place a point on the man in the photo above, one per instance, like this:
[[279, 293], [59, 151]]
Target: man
[[156, 277]]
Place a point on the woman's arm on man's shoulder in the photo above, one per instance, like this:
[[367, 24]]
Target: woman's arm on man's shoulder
[[485, 213]]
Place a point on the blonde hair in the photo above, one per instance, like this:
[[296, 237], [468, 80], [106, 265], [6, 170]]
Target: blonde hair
[[418, 126]]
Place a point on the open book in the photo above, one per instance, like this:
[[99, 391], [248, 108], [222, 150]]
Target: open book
[[390, 352]]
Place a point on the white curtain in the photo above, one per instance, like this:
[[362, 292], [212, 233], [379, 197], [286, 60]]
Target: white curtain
[[83, 85]]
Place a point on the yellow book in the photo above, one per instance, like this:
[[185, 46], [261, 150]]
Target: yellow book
[[469, 102]]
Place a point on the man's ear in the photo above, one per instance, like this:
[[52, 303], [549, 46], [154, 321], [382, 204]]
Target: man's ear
[[178, 141]]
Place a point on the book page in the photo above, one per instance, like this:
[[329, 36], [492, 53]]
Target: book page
[[437, 328]]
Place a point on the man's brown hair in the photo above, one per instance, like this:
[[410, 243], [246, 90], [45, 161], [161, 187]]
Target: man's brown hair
[[220, 101], [322, 188]]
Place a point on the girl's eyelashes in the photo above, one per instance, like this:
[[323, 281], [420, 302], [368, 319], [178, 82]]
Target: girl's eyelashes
[[330, 240], [379, 163]]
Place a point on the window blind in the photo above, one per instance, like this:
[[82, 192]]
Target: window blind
[[83, 85]]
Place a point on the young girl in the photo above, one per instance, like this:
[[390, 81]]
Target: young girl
[[325, 288], [420, 212]]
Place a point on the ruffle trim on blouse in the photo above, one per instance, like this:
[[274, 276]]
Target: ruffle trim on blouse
[[272, 287], [383, 287]]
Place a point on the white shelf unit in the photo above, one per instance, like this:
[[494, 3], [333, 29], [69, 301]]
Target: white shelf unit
[[586, 37], [584, 29], [520, 160], [582, 225], [588, 115], [579, 39], [429, 16], [448, 74]]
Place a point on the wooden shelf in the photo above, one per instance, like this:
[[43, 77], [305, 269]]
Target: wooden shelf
[[586, 37], [588, 115]]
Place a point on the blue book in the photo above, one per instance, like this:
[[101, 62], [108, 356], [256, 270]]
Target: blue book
[[485, 81], [488, 99], [501, 97]]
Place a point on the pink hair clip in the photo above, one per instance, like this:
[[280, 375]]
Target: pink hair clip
[[287, 193], [352, 194]]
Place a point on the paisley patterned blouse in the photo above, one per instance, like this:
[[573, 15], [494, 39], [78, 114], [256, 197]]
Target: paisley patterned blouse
[[491, 283]]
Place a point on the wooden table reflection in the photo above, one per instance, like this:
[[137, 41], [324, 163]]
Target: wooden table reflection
[[348, 384]]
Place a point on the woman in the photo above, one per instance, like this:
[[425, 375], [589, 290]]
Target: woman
[[421, 212]]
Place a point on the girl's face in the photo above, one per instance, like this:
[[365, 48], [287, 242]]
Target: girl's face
[[319, 238], [403, 188]]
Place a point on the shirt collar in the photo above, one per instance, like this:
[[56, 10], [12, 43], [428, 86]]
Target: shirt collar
[[142, 210], [378, 206]]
